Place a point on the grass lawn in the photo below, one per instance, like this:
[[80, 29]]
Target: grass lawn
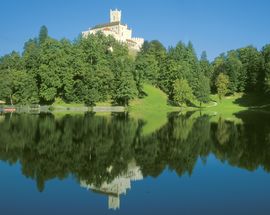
[[228, 106], [155, 101], [224, 108], [153, 109]]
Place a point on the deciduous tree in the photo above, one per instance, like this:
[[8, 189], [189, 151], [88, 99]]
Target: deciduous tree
[[222, 83]]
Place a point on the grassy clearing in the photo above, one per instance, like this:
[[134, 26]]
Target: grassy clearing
[[155, 101], [224, 108], [153, 109], [227, 104]]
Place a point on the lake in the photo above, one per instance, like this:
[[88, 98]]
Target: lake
[[107, 164]]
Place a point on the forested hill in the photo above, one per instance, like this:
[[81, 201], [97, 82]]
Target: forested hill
[[98, 68]]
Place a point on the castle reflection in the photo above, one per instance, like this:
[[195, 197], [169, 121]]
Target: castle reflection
[[117, 186]]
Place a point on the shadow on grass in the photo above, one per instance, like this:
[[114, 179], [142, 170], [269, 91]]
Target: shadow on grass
[[188, 104], [253, 100]]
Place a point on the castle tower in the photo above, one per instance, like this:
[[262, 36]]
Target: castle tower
[[115, 15], [121, 32]]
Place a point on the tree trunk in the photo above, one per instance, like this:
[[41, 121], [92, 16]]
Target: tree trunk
[[11, 102]]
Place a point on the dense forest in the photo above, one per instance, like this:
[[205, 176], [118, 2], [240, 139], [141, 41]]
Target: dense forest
[[98, 68]]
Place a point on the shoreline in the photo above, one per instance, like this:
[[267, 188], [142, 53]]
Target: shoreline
[[103, 108]]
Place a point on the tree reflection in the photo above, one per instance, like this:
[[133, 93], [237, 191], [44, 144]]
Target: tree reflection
[[98, 149]]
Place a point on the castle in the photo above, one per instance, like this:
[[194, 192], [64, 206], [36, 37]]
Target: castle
[[118, 30]]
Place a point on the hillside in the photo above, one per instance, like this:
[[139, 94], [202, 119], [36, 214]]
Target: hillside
[[153, 109]]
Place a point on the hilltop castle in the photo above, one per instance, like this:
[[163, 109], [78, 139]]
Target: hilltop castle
[[118, 30]]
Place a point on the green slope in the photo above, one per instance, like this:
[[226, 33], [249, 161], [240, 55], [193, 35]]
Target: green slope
[[153, 109]]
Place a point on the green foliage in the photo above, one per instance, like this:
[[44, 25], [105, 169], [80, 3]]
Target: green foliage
[[203, 92], [267, 78], [88, 70], [147, 67], [266, 55], [43, 34], [24, 88], [182, 92], [16, 84], [11, 61], [230, 65], [31, 55], [5, 86], [222, 83], [99, 69], [51, 70], [124, 86], [205, 66], [234, 70], [148, 64], [252, 62], [181, 63], [245, 68]]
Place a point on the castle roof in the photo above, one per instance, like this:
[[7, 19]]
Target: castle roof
[[106, 25], [131, 41]]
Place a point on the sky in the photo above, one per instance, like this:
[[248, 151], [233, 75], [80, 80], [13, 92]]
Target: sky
[[215, 26]]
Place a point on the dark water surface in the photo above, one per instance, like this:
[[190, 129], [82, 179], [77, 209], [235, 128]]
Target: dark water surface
[[87, 164]]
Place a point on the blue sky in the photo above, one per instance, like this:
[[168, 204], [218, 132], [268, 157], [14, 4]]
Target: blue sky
[[212, 25]]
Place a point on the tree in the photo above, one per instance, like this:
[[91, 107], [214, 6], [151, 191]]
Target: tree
[[182, 92], [235, 72], [252, 62], [266, 55], [186, 58], [205, 66], [222, 85], [139, 75], [181, 63], [43, 34], [124, 86], [219, 66], [231, 65], [169, 73], [24, 88], [267, 78], [156, 49], [5, 86], [11, 61], [31, 56], [148, 64], [147, 67], [52, 70], [203, 92]]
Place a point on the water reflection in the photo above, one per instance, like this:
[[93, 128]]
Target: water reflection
[[106, 153], [117, 186]]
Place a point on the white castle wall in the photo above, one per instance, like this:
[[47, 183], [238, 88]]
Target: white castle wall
[[120, 32]]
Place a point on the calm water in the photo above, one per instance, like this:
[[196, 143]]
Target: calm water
[[87, 164]]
